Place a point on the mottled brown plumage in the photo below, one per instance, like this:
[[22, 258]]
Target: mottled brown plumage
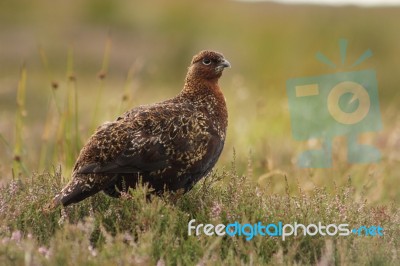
[[170, 145]]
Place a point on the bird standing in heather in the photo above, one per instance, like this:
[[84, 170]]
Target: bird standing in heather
[[170, 145]]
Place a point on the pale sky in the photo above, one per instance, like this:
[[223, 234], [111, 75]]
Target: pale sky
[[337, 2]]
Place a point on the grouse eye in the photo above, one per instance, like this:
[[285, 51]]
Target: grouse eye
[[206, 61]]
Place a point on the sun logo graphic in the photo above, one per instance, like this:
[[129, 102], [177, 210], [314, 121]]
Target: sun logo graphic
[[338, 104]]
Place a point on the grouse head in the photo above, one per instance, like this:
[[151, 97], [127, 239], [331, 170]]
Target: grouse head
[[207, 65]]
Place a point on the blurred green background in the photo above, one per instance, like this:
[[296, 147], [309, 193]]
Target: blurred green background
[[145, 47]]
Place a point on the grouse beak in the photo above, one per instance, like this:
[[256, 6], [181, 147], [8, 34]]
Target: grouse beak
[[222, 64], [225, 63]]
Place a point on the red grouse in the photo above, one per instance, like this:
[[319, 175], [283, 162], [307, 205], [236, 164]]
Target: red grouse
[[169, 145]]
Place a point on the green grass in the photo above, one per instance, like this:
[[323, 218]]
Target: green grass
[[64, 90], [103, 231]]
